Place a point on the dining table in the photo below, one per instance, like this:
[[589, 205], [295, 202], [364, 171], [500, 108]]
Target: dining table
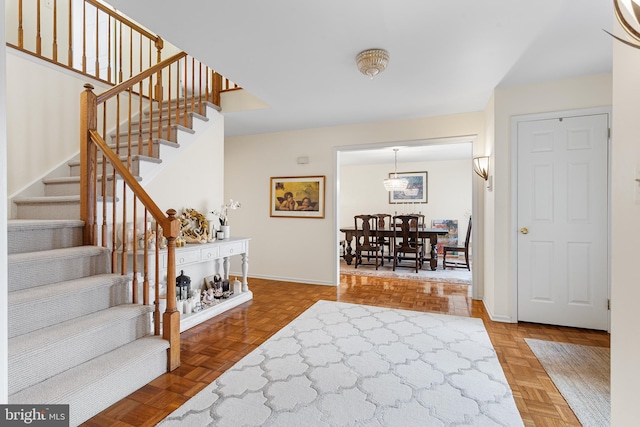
[[388, 232]]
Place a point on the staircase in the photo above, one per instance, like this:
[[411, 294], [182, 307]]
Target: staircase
[[74, 336]]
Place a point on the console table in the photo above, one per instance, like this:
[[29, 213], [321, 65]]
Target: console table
[[199, 260]]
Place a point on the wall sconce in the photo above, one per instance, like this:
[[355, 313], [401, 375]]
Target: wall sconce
[[481, 167]]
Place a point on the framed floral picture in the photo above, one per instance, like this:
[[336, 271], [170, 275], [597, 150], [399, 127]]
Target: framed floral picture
[[416, 191], [297, 196]]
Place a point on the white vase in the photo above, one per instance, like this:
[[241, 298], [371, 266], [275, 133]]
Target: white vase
[[226, 229]]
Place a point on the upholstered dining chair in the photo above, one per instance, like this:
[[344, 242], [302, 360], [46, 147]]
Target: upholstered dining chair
[[405, 241], [464, 249], [367, 241]]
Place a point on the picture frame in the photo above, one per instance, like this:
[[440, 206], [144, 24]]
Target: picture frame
[[418, 184], [449, 239], [297, 196]]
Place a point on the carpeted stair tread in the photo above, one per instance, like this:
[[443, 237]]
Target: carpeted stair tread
[[74, 252], [160, 141], [46, 199], [174, 127], [61, 289], [42, 224], [76, 180], [40, 339], [30, 235], [35, 308], [32, 269], [123, 159], [43, 353], [97, 384]]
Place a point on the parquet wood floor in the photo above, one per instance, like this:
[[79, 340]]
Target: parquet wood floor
[[214, 346]]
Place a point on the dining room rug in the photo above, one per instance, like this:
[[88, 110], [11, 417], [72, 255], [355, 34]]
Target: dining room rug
[[458, 275], [581, 374], [341, 364]]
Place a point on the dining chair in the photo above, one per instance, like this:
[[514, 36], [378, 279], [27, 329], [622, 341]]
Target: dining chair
[[419, 222], [405, 241], [367, 241], [464, 249], [384, 221]]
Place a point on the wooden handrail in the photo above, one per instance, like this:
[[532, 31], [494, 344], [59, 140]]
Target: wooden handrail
[[92, 144], [124, 20], [131, 181], [138, 78]]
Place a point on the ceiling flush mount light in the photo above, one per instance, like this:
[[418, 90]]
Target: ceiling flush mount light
[[372, 62], [481, 167], [395, 183]]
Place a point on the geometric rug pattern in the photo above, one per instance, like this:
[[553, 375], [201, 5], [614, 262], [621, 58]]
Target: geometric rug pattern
[[581, 374], [341, 364]]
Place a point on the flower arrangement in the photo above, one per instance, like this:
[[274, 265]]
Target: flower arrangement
[[223, 213]]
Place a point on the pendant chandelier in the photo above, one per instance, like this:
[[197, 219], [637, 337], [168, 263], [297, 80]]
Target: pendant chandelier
[[395, 183]]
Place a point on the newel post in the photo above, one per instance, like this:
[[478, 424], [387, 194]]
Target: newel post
[[88, 122], [171, 317]]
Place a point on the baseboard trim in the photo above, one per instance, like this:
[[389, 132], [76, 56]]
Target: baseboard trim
[[288, 279], [495, 318]]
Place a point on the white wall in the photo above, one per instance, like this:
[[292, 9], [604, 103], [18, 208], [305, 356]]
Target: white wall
[[570, 94], [449, 191], [195, 179], [4, 333], [302, 249], [625, 234], [44, 118]]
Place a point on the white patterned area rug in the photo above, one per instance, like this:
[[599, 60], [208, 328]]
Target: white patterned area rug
[[342, 364], [581, 374]]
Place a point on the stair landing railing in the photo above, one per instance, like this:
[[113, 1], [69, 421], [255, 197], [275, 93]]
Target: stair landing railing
[[141, 114], [85, 36]]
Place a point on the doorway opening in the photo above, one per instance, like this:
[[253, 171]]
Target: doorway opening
[[448, 199]]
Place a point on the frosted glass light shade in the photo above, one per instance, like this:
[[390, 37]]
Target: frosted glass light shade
[[395, 184]]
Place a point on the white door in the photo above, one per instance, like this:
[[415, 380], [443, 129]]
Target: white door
[[562, 221]]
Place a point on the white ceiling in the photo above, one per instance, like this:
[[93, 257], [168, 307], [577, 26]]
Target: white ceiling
[[447, 56]]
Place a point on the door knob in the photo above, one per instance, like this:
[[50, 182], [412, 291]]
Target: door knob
[[524, 230]]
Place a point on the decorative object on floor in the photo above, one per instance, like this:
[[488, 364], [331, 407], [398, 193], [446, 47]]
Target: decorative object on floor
[[372, 62], [581, 374], [393, 183], [449, 239], [464, 250], [350, 364], [462, 277], [297, 196], [416, 190], [194, 226]]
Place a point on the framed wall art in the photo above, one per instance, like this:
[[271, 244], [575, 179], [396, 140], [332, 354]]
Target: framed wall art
[[297, 196], [449, 239], [416, 191]]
